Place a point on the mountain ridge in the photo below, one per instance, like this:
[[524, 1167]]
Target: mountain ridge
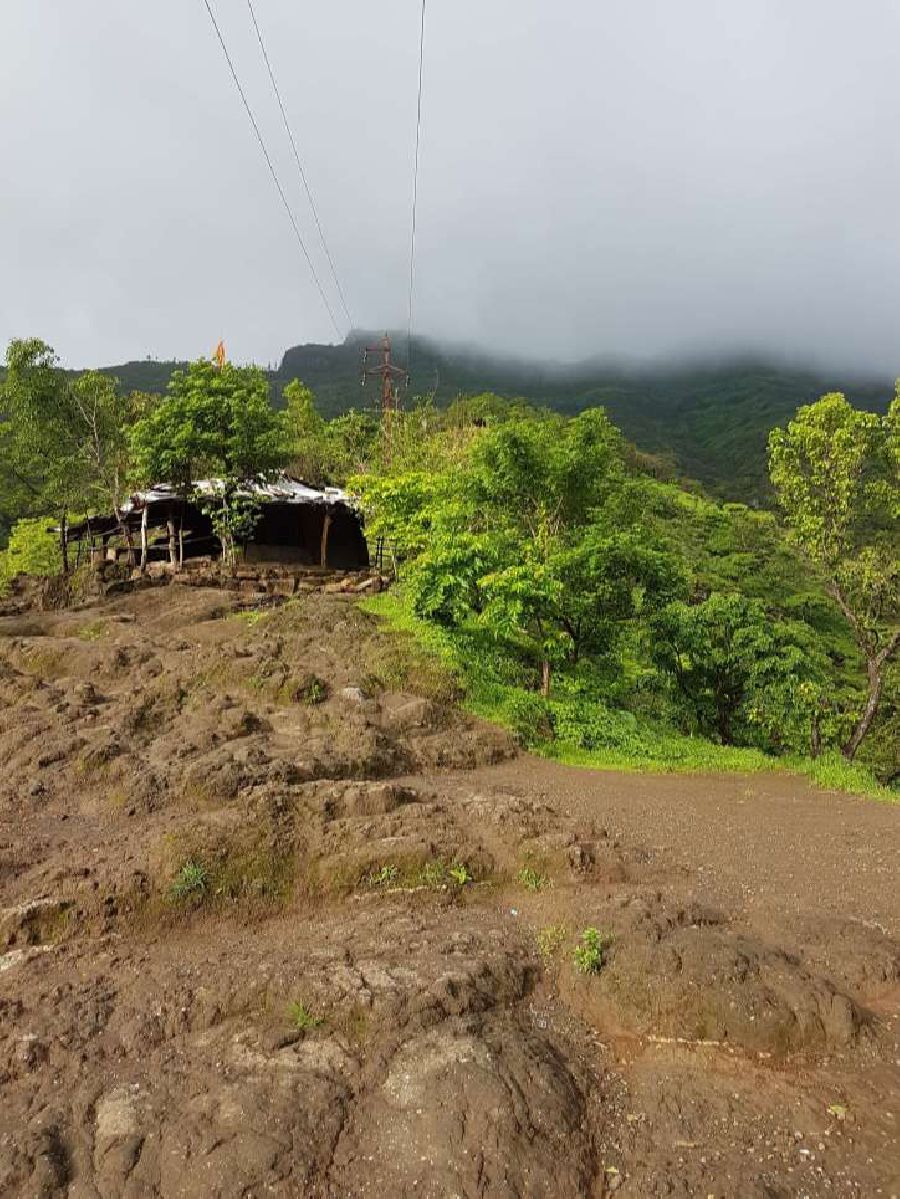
[[712, 415]]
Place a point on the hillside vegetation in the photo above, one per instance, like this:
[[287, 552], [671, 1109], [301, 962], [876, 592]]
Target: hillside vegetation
[[708, 422], [602, 611]]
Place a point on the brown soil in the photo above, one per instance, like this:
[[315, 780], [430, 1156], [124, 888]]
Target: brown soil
[[264, 931]]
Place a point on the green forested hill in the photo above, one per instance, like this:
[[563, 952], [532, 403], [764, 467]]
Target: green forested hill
[[712, 419]]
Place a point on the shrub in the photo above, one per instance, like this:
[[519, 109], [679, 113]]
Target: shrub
[[529, 717], [31, 550], [589, 954]]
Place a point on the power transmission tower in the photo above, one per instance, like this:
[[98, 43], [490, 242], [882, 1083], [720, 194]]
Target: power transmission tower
[[390, 402]]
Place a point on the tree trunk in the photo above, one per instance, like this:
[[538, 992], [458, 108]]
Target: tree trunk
[[546, 675], [64, 542], [326, 527], [815, 736], [875, 672]]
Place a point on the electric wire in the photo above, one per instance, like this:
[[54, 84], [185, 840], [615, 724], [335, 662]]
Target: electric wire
[[415, 201], [306, 187], [271, 167]]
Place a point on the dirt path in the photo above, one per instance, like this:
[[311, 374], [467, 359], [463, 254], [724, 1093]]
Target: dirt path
[[275, 918], [769, 844]]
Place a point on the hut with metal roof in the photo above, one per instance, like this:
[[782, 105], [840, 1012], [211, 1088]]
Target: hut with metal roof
[[297, 525]]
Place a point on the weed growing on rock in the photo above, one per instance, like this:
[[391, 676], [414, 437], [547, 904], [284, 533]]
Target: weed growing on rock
[[590, 952], [550, 940], [310, 691], [190, 882], [251, 616], [433, 874], [533, 880], [460, 874], [383, 876], [302, 1018]]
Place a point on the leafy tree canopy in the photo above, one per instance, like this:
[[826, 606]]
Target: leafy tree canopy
[[835, 473], [213, 422]]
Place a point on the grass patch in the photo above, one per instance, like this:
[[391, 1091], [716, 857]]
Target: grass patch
[[92, 631], [255, 875], [190, 884], [576, 730], [413, 875]]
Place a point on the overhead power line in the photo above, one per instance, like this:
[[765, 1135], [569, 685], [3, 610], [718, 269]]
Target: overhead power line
[[271, 167], [415, 201], [303, 178]]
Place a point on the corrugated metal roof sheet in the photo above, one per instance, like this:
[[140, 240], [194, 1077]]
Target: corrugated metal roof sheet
[[282, 489]]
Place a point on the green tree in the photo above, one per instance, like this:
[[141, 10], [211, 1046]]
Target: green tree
[[745, 677], [212, 422], [306, 431], [352, 440], [40, 449], [835, 473], [216, 423]]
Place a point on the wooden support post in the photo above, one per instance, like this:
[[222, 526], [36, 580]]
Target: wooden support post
[[170, 528], [144, 539], [64, 542], [326, 528]]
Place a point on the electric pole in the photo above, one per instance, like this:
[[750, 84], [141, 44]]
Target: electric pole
[[390, 402]]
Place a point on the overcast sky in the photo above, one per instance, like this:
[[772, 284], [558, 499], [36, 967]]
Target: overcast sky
[[633, 178]]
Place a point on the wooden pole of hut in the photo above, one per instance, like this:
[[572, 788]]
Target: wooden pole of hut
[[173, 552], [144, 539], [64, 542], [326, 528]]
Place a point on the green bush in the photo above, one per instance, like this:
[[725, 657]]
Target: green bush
[[530, 717], [32, 550], [590, 953]]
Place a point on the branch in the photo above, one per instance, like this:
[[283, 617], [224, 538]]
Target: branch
[[862, 638]]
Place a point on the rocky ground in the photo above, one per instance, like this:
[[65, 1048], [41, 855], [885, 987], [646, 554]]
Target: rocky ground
[[278, 919]]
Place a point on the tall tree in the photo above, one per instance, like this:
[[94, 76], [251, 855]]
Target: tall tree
[[835, 473], [212, 421], [306, 431], [215, 422], [42, 440]]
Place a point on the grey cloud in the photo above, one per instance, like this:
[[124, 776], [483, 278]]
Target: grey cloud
[[598, 177]]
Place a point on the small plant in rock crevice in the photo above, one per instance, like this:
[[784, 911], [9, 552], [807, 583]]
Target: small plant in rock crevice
[[460, 873], [383, 876], [302, 1018]]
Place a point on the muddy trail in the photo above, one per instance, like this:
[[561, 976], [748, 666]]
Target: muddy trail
[[278, 919]]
